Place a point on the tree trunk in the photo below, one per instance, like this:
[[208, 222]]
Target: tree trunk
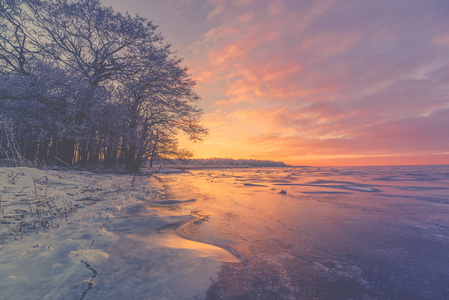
[[131, 162], [66, 151], [83, 153], [153, 152]]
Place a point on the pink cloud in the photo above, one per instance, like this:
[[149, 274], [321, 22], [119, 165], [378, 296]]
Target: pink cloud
[[325, 81], [331, 78]]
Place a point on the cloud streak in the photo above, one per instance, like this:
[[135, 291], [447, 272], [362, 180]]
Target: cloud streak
[[331, 78], [317, 81]]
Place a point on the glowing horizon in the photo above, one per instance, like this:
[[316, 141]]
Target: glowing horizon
[[326, 82]]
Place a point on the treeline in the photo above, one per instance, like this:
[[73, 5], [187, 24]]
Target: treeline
[[224, 162], [83, 84]]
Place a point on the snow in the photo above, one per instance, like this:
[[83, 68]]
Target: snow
[[81, 235], [352, 233]]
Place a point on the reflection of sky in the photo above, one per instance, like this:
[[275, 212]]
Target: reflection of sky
[[338, 232], [315, 82]]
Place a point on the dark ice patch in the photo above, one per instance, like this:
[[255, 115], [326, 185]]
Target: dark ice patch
[[172, 202], [252, 184], [325, 192]]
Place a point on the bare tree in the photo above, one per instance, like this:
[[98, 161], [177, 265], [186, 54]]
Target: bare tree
[[93, 41], [165, 146], [87, 84], [88, 37], [159, 99], [13, 38]]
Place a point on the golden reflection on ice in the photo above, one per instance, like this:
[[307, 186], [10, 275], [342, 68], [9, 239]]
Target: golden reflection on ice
[[203, 250], [170, 239]]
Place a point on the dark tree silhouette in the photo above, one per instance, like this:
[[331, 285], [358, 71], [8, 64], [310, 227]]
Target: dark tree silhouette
[[81, 83]]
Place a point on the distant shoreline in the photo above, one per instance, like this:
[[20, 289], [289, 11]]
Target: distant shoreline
[[203, 167]]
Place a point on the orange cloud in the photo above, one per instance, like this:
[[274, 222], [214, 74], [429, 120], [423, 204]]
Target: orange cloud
[[315, 82], [330, 82]]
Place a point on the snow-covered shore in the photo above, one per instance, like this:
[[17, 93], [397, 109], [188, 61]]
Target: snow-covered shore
[[81, 235]]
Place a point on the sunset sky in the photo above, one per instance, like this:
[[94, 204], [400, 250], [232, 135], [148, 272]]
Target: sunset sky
[[311, 82]]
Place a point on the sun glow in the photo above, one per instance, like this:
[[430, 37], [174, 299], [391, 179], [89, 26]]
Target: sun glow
[[317, 83]]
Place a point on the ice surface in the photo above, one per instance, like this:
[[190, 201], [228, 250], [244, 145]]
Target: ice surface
[[338, 233]]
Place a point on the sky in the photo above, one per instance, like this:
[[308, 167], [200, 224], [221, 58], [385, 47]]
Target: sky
[[314, 82]]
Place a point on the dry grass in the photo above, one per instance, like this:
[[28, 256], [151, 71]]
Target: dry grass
[[27, 206]]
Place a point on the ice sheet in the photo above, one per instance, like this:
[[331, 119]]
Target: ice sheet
[[338, 233]]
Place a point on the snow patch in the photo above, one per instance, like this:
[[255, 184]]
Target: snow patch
[[89, 255]]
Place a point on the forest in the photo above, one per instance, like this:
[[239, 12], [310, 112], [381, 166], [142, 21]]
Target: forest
[[83, 85], [223, 162]]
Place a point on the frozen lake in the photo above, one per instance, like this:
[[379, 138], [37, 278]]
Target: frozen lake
[[337, 233]]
